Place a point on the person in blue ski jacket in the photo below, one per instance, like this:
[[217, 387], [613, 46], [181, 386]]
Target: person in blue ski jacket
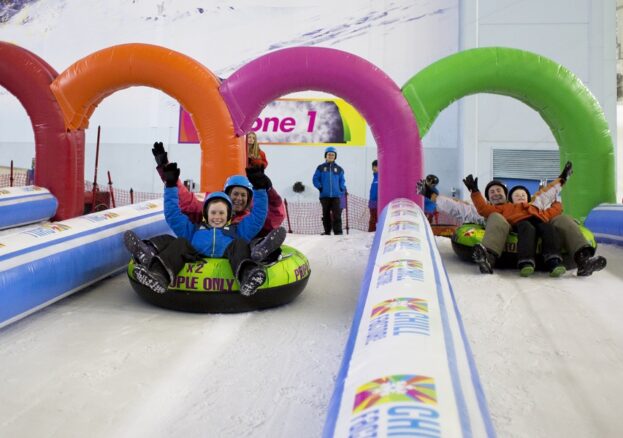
[[330, 182], [216, 237], [374, 196]]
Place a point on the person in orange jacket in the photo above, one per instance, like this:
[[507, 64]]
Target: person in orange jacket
[[528, 230]]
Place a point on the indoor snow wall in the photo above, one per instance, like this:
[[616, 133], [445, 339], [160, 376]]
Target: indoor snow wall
[[407, 369], [572, 113]]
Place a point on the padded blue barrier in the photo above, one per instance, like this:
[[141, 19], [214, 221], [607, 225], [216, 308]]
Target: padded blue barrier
[[44, 264], [606, 223], [407, 369], [25, 205]]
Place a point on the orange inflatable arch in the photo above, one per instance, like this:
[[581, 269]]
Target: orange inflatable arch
[[81, 87]]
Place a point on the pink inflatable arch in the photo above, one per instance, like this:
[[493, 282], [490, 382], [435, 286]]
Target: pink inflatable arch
[[60, 168], [350, 77]]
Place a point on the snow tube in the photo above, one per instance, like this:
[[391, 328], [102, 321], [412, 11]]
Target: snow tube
[[468, 235], [209, 286], [25, 205], [606, 221]]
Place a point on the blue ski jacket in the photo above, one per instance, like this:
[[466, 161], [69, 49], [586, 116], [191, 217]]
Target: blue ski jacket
[[329, 180]]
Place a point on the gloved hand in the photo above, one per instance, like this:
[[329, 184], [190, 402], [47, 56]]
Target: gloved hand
[[258, 178], [432, 180], [160, 154], [171, 174], [567, 171], [424, 189], [471, 183]]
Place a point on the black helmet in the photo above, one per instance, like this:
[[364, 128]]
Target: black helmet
[[432, 180], [524, 188]]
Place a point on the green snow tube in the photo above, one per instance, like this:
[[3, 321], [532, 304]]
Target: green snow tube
[[563, 101], [209, 286], [468, 235]]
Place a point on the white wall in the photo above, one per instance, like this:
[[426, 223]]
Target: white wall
[[578, 34]]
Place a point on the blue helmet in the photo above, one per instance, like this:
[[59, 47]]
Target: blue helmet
[[238, 181], [220, 196], [330, 149]]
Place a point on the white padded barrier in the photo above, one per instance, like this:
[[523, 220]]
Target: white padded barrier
[[25, 205], [407, 368], [41, 265], [606, 223]]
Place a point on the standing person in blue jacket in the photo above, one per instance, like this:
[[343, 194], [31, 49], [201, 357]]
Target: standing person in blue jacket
[[216, 237], [374, 196], [329, 180]]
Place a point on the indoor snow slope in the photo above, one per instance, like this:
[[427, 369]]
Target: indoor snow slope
[[104, 363]]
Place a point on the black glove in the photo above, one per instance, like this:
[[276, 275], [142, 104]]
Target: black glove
[[471, 183], [160, 154], [258, 178], [424, 189], [566, 172], [171, 174]]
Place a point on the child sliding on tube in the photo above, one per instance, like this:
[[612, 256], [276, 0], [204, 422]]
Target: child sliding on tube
[[216, 237]]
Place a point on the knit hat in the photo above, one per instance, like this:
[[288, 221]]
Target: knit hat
[[496, 182], [514, 189], [221, 196]]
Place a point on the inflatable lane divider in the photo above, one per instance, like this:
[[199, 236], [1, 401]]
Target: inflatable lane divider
[[25, 205], [44, 264], [407, 368], [606, 223]]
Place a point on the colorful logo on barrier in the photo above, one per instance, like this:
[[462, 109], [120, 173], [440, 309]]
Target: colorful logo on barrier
[[398, 270], [47, 229], [398, 405], [398, 388], [404, 225], [400, 304], [145, 206], [404, 212], [31, 189], [403, 203], [402, 242], [100, 217], [398, 316]]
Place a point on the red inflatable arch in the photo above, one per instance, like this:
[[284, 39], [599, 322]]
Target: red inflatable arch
[[59, 154]]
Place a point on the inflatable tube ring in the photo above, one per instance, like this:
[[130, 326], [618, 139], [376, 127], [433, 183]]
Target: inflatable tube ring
[[209, 286]]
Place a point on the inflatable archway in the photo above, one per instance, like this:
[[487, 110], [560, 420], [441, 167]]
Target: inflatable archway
[[81, 87], [359, 82], [563, 101], [59, 154]]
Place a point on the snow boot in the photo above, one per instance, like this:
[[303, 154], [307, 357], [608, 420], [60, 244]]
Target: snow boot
[[587, 263], [555, 267], [484, 258], [526, 269], [253, 278], [154, 280], [141, 251], [268, 244]]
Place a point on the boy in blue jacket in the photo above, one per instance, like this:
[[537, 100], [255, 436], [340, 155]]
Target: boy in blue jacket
[[329, 180], [216, 237]]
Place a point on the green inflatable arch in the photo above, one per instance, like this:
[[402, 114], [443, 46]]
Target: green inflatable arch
[[567, 106]]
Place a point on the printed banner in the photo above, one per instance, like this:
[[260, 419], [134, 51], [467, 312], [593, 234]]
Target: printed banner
[[298, 122], [407, 370]]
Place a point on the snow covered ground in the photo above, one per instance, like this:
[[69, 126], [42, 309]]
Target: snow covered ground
[[103, 363]]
